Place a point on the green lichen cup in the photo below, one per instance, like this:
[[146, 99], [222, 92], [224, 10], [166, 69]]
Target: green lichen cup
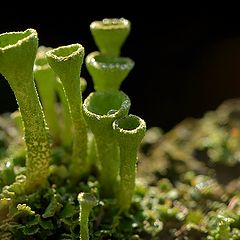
[[108, 72], [110, 34], [129, 132], [100, 110]]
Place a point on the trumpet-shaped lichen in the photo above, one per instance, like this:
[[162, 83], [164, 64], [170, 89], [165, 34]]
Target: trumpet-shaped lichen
[[17, 56], [66, 61], [108, 72], [129, 132], [110, 34]]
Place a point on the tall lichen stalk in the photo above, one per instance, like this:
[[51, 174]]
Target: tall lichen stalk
[[66, 61], [129, 132], [17, 55], [45, 79]]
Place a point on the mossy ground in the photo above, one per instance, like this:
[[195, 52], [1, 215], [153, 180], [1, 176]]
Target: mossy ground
[[187, 186]]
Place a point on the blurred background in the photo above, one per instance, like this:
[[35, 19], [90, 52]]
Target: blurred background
[[186, 62]]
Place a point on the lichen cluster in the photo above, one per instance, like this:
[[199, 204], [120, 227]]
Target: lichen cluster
[[68, 164], [68, 141]]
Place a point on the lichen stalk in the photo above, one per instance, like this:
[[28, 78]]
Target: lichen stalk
[[86, 202], [46, 81], [66, 61], [66, 121], [129, 132], [17, 55]]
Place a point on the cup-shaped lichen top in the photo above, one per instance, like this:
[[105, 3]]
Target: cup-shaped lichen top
[[41, 63], [62, 56], [110, 34], [42, 70], [108, 72], [17, 53], [67, 61], [131, 128], [105, 106], [129, 132], [17, 56], [100, 110]]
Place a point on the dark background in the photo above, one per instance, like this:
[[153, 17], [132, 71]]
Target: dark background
[[186, 61]]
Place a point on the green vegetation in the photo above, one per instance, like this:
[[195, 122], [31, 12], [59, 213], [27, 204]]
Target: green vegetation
[[75, 168], [42, 175]]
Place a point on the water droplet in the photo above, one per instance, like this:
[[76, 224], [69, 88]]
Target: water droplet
[[111, 111]]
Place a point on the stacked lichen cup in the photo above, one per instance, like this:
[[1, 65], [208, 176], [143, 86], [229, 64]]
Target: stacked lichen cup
[[117, 134]]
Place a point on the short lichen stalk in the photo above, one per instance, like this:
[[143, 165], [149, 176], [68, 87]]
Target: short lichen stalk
[[86, 202], [129, 132], [46, 81], [66, 61], [100, 110], [17, 55]]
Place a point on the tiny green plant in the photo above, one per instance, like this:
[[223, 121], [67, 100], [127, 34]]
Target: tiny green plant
[[72, 144], [86, 201]]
